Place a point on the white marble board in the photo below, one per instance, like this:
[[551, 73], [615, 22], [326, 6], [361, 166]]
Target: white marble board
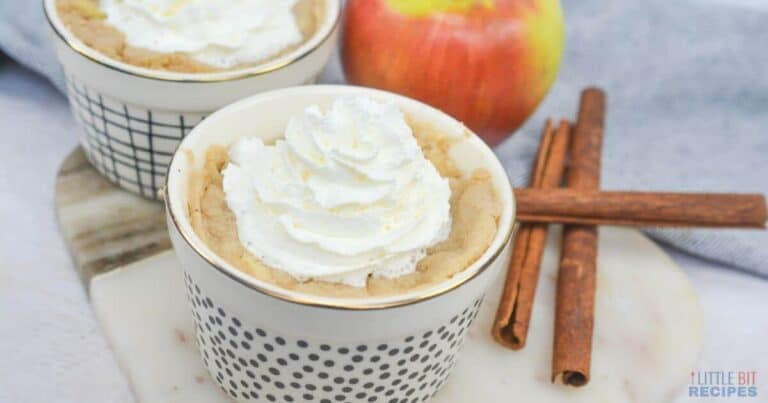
[[647, 330], [647, 334]]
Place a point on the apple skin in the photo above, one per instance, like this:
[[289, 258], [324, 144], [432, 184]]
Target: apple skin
[[488, 66]]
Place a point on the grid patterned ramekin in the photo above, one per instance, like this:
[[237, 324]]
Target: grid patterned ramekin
[[262, 343], [131, 119]]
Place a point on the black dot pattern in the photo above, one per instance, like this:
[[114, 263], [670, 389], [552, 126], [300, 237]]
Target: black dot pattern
[[252, 364]]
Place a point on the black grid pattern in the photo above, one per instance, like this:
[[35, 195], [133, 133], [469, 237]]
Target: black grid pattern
[[129, 144]]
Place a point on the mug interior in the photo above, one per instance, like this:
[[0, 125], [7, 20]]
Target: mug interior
[[331, 17], [265, 116]]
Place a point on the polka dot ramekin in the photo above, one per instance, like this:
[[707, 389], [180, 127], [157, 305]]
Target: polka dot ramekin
[[262, 343]]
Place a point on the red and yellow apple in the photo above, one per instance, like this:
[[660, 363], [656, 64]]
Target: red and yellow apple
[[489, 63]]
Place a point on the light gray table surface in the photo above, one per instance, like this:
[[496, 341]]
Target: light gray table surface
[[51, 347]]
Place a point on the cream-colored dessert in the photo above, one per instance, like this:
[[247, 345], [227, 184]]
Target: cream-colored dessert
[[443, 243], [192, 36]]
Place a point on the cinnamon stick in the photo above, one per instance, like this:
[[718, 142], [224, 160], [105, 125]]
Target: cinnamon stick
[[573, 206], [575, 298], [510, 328], [500, 330]]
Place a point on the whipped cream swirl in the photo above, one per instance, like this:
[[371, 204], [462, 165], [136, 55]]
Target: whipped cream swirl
[[345, 195], [221, 33]]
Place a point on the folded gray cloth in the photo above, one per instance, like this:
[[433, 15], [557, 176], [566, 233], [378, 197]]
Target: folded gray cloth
[[687, 107], [687, 101], [24, 37]]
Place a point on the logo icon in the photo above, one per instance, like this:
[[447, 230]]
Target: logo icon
[[718, 384]]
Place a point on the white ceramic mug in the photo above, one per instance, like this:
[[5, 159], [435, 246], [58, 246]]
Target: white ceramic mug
[[264, 343], [132, 119]]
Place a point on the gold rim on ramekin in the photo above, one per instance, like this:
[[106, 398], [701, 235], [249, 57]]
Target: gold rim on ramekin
[[358, 304], [317, 40], [308, 299]]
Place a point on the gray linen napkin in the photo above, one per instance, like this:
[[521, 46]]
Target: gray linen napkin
[[687, 88], [24, 37], [687, 85]]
